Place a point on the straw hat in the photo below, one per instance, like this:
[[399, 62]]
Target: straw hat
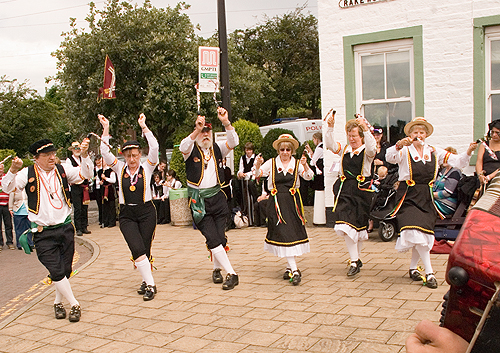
[[419, 121], [286, 138]]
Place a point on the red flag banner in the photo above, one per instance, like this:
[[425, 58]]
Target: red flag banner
[[108, 89]]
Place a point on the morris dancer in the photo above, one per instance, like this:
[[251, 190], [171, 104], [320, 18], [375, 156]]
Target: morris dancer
[[49, 210], [205, 176], [352, 189], [416, 212], [137, 212]]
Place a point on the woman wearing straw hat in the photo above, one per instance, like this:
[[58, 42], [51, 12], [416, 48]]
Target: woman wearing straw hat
[[137, 212], [415, 210], [352, 189], [286, 232]]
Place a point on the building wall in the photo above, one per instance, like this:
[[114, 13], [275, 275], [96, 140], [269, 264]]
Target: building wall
[[448, 53]]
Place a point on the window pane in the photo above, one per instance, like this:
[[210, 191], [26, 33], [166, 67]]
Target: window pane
[[398, 74], [372, 67], [495, 107], [495, 64], [399, 116]]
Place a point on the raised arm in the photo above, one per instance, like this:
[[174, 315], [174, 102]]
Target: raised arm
[[187, 144], [152, 141]]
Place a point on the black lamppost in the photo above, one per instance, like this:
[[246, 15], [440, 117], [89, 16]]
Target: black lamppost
[[224, 65]]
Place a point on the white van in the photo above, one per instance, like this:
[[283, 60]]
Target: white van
[[303, 128]]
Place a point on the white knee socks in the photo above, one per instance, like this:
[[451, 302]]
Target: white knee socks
[[64, 289], [292, 263], [59, 297], [425, 255], [415, 256], [352, 248], [219, 254], [144, 268]]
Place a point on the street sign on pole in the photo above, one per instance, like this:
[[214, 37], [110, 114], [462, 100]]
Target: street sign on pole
[[208, 69]]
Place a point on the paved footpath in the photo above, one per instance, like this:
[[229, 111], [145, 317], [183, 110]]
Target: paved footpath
[[327, 312]]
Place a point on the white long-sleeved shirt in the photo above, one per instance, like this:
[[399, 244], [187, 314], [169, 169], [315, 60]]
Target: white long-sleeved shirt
[[148, 166], [249, 174], [392, 155], [55, 210], [370, 147], [210, 174], [267, 169]]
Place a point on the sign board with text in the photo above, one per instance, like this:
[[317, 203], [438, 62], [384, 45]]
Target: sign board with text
[[350, 3], [208, 69]]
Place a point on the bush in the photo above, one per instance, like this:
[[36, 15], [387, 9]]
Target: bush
[[177, 164], [247, 132], [267, 143], [5, 153]]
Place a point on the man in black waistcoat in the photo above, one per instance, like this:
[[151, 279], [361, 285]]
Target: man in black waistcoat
[[205, 177], [49, 210], [79, 193]]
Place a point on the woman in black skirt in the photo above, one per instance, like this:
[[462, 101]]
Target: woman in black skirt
[[415, 210], [352, 192], [137, 212], [286, 232]]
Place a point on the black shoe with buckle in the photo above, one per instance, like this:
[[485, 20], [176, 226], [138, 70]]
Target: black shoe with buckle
[[59, 311], [231, 281], [150, 293], [359, 263], [431, 281], [296, 278], [288, 274], [216, 276], [142, 288], [353, 269], [415, 274], [75, 313]]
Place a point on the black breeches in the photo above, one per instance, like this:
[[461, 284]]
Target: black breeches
[[138, 224]]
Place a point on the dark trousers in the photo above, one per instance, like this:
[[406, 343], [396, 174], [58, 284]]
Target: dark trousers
[[109, 213], [260, 212], [21, 224], [138, 224], [162, 211], [98, 200], [81, 210], [7, 221], [55, 249], [213, 225]]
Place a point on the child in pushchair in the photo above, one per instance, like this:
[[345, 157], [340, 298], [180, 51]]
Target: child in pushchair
[[383, 202]]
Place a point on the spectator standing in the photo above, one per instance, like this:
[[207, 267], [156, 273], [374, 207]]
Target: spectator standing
[[6, 215], [79, 193], [17, 206]]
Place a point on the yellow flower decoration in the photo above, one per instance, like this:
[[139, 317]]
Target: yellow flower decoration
[[360, 178], [342, 178], [293, 191], [274, 191], [410, 182]]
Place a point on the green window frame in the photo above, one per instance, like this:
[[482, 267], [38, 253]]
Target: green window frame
[[349, 42]]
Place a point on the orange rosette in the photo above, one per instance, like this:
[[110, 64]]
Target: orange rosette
[[293, 191], [410, 182], [342, 178], [274, 191], [360, 178]]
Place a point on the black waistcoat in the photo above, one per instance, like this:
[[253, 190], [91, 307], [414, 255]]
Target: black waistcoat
[[137, 196], [33, 187], [247, 166], [195, 165]]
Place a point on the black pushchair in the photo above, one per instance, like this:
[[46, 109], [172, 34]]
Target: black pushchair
[[383, 204]]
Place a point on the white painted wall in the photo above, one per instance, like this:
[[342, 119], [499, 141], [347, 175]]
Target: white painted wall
[[447, 57]]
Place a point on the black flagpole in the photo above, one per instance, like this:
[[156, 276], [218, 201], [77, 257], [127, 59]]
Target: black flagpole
[[224, 65]]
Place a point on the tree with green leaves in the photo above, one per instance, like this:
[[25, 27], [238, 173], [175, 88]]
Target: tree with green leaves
[[25, 117], [154, 53], [286, 48]]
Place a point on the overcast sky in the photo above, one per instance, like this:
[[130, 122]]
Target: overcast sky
[[31, 29]]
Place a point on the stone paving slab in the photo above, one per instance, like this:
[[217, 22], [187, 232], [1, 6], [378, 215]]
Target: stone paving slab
[[373, 312]]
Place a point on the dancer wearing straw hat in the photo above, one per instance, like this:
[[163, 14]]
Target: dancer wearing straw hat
[[286, 232], [415, 210]]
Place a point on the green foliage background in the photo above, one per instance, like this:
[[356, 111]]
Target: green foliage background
[[247, 132]]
